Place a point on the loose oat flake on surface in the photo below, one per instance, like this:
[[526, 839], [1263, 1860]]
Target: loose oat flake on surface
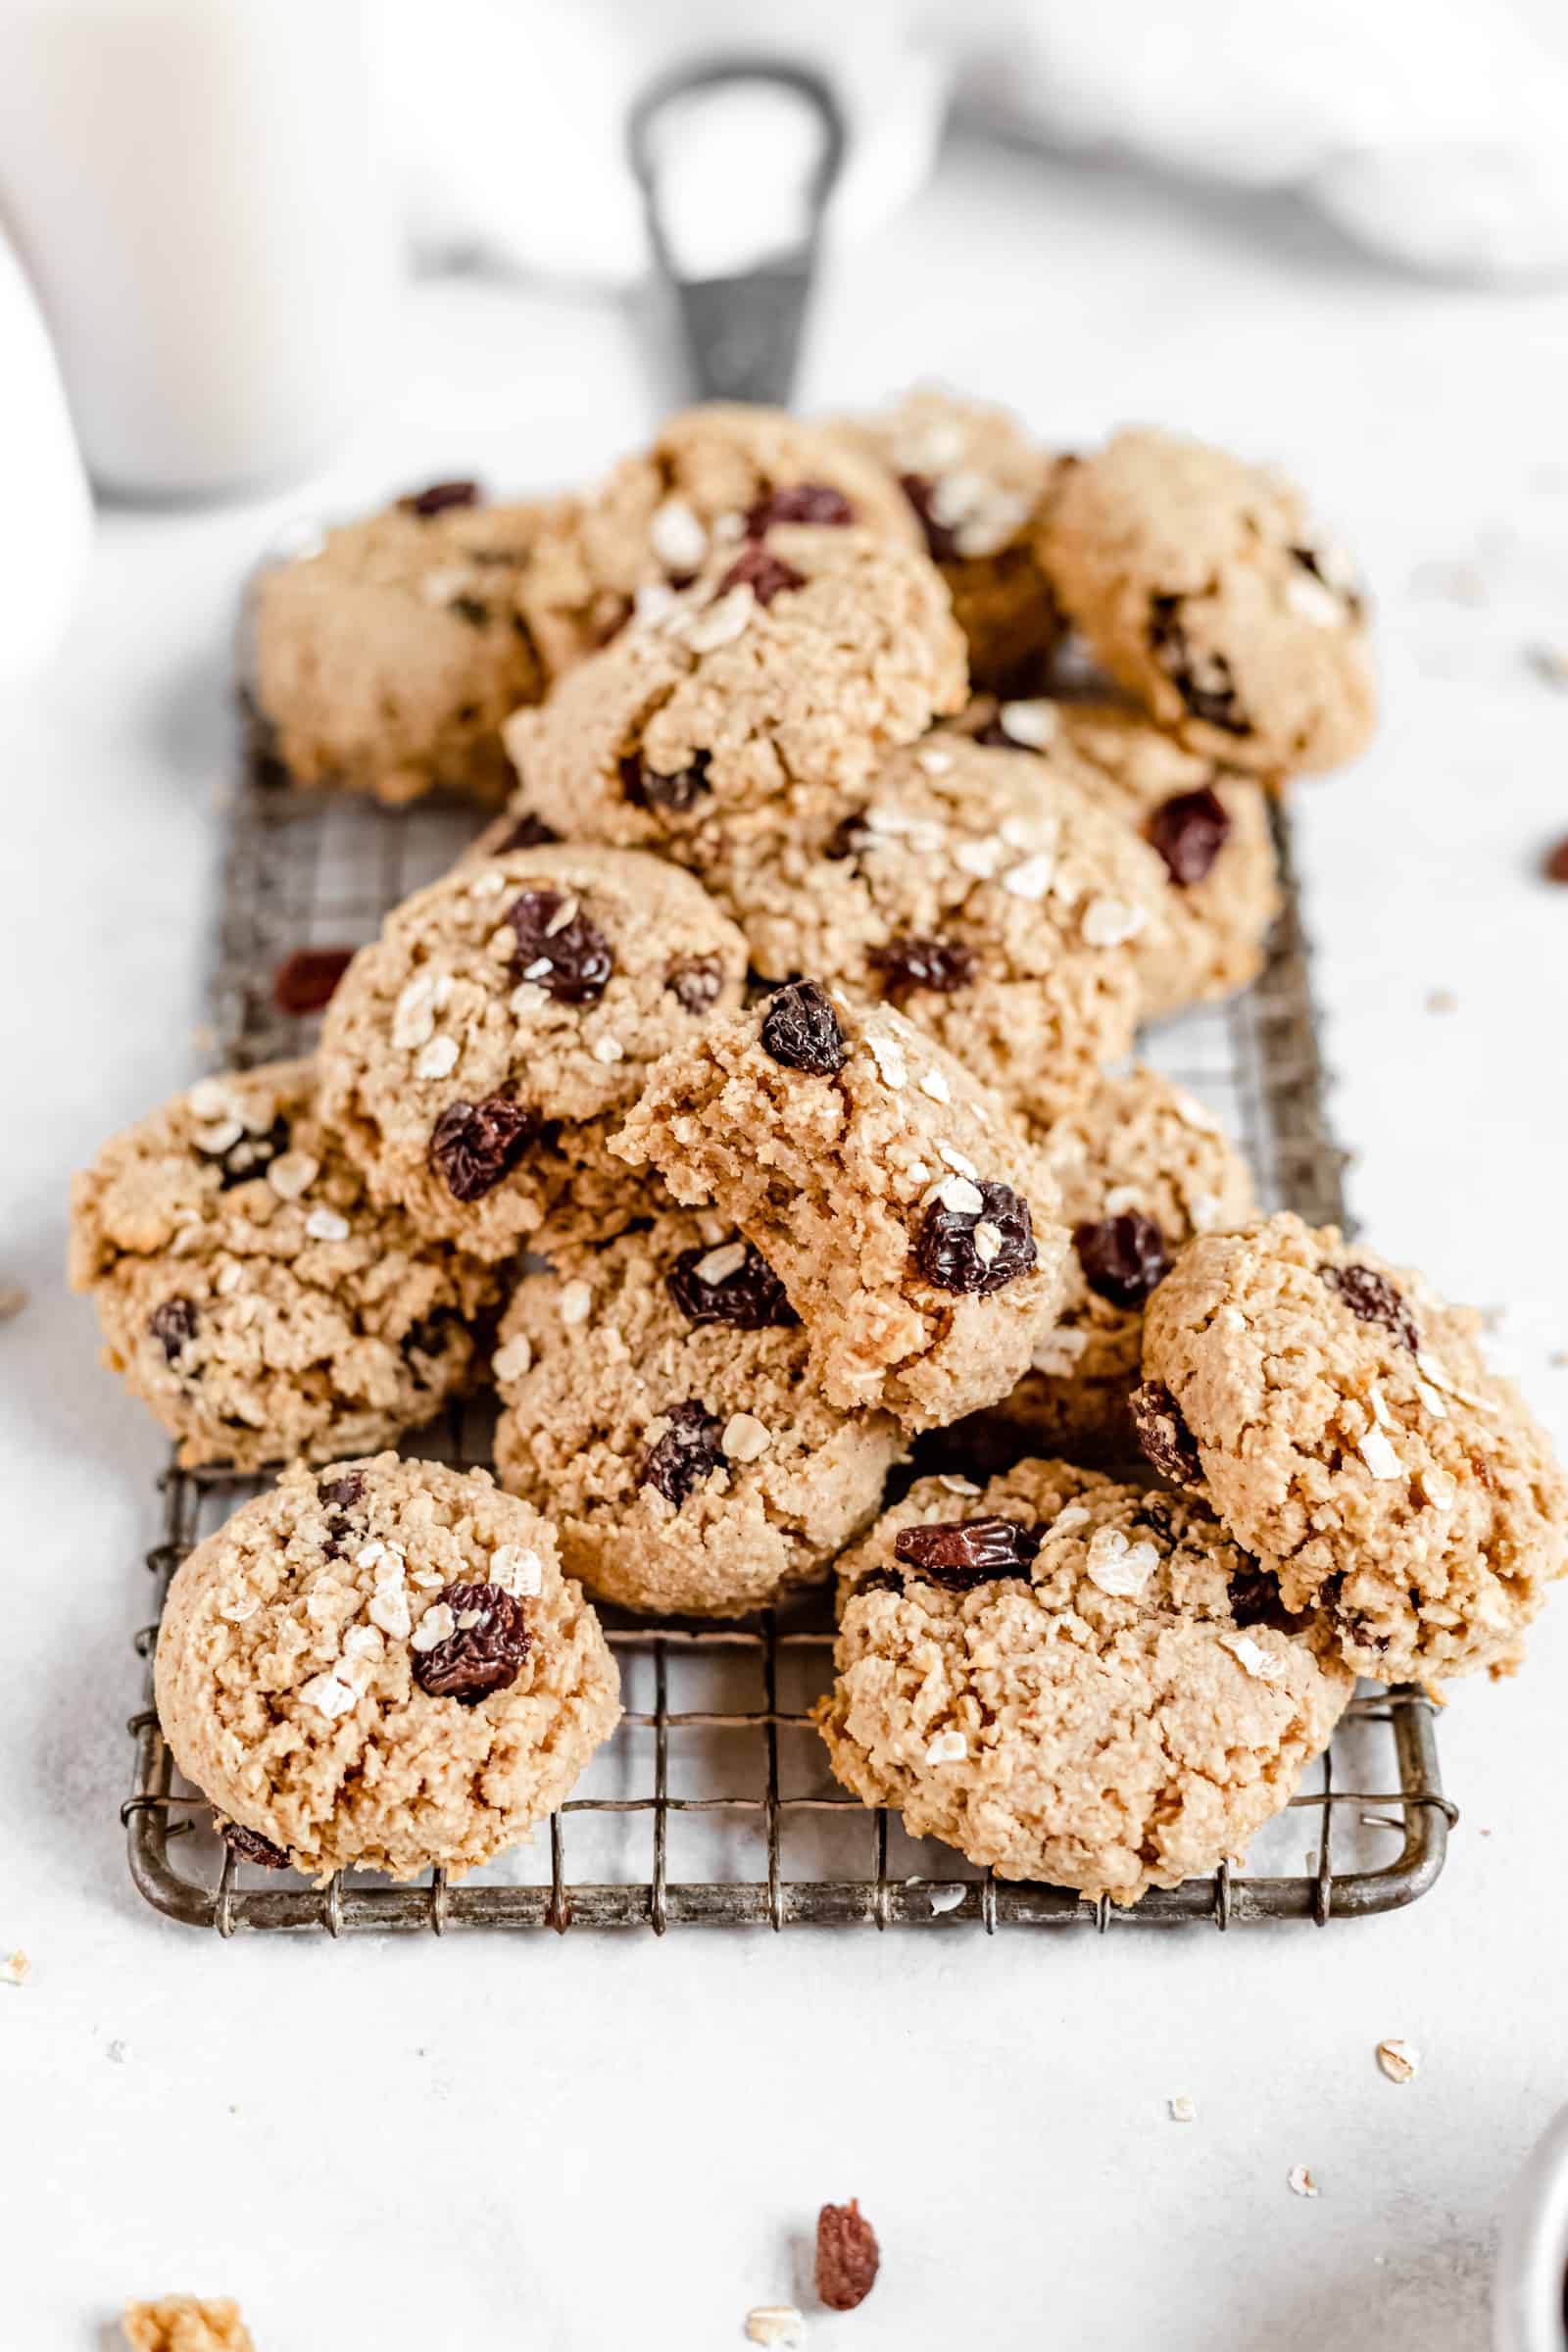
[[776, 2323], [1183, 2110], [1301, 2181], [16, 1968], [1399, 2060]]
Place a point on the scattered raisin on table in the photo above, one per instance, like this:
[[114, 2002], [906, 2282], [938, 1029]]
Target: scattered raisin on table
[[848, 2256], [305, 981]]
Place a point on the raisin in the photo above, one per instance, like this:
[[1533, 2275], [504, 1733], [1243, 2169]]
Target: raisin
[[799, 502], [695, 984], [1203, 682], [846, 2256], [249, 1845], [646, 788], [750, 1298], [1554, 864], [1373, 1298], [431, 1336], [765, 576], [848, 836], [977, 1250], [686, 1453], [473, 1144], [1255, 1599], [471, 609], [801, 1030], [303, 982], [1123, 1258], [960, 1552], [341, 1494], [909, 963], [439, 496], [1188, 831], [569, 960], [482, 1655], [530, 832], [251, 1156], [173, 1326], [1164, 1436], [919, 490]]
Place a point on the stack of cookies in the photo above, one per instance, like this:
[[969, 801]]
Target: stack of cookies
[[751, 1108]]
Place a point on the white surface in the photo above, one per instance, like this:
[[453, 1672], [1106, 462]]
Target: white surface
[[43, 490], [530, 2142]]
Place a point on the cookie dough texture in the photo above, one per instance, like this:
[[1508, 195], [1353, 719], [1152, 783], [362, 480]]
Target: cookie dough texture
[[977, 482], [386, 661], [453, 1010], [985, 892], [286, 1670], [593, 1359], [187, 2324], [1206, 589], [837, 1179], [1144, 1146], [660, 515], [717, 704], [1402, 1489], [1113, 1720], [250, 1290], [1214, 930]]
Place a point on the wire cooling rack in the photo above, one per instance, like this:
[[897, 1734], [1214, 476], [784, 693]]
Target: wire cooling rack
[[712, 1804]]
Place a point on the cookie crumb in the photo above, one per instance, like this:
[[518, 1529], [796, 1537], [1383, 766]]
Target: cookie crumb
[[1301, 2183], [776, 2323], [16, 1968], [186, 2323], [1550, 661], [1399, 2060], [1183, 2110], [1441, 1000]]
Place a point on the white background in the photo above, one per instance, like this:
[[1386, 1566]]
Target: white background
[[543, 2143]]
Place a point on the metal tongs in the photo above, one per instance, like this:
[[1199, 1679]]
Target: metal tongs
[[741, 331]]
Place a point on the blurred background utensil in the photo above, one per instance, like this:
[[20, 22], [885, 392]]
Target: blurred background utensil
[[736, 288]]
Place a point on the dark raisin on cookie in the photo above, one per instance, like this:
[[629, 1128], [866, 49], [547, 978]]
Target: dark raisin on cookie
[[560, 948], [686, 1454], [749, 1297], [1123, 1258], [1373, 1298], [250, 1156], [1190, 830], [472, 610], [801, 1030], [341, 1492], [695, 984], [439, 496], [530, 832], [978, 1250], [249, 1845], [1165, 1440], [173, 1326], [799, 502], [920, 491], [305, 982], [483, 1653], [1202, 680], [646, 788], [765, 576], [474, 1145], [848, 2257], [909, 963], [960, 1552], [1255, 1599]]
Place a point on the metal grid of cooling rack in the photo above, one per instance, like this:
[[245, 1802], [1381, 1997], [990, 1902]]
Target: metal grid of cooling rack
[[712, 1804]]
